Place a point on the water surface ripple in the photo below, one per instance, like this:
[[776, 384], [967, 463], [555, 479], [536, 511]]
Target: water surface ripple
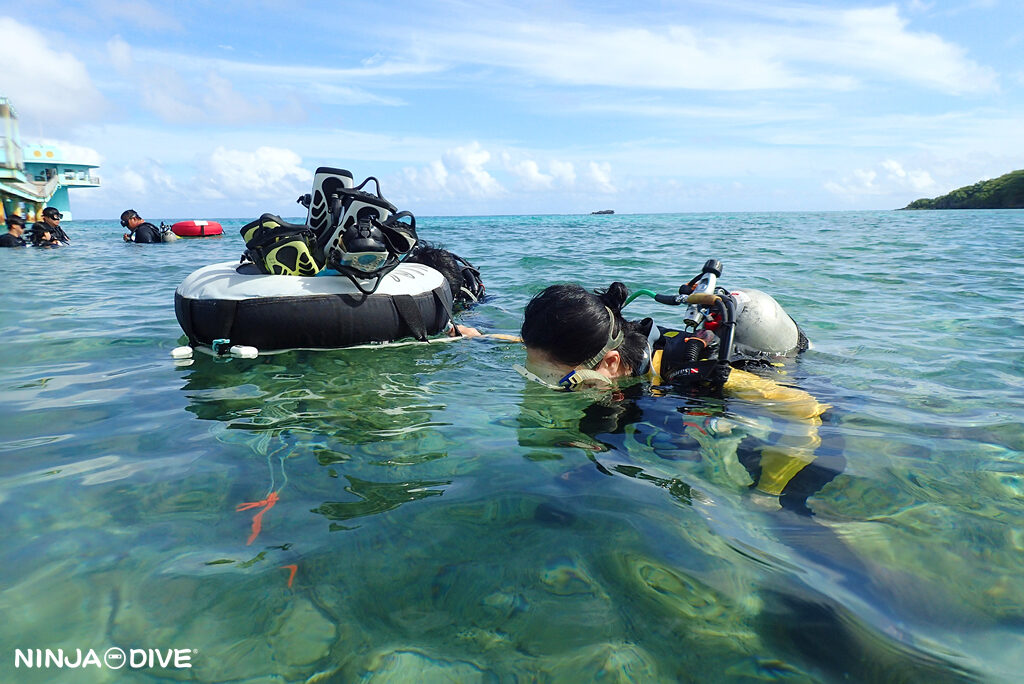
[[418, 513]]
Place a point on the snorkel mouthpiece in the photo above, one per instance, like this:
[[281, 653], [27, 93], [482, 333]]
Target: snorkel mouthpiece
[[574, 380], [582, 377]]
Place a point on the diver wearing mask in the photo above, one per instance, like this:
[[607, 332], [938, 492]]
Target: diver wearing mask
[[139, 230], [577, 339]]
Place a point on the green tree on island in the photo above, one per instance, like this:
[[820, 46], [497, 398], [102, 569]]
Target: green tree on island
[[1005, 192]]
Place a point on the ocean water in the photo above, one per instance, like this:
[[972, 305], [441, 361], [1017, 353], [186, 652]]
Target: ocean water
[[418, 513]]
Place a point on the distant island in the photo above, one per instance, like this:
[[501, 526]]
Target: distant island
[[603, 211], [1005, 192]]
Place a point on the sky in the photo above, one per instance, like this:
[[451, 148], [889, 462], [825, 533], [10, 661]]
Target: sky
[[204, 109]]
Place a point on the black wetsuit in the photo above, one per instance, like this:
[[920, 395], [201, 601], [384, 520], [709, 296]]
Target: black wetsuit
[[56, 232], [8, 240], [146, 233]]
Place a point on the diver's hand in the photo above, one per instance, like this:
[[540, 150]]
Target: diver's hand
[[720, 374], [463, 330], [127, 237]]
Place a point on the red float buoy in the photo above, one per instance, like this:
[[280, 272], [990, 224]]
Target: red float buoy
[[197, 228]]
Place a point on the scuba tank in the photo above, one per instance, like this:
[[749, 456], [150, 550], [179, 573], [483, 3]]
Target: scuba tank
[[166, 234], [720, 328], [763, 328]]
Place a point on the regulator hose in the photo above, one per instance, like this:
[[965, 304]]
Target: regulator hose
[[645, 292]]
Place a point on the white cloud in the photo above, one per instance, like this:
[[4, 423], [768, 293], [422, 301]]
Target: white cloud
[[211, 98], [142, 184], [332, 85], [137, 12], [599, 175], [563, 172], [916, 180], [474, 177], [132, 182], [327, 93], [788, 47], [459, 173], [163, 92], [79, 153], [225, 104], [889, 178], [877, 40], [467, 172], [265, 175], [528, 173], [428, 180], [675, 57], [49, 85], [120, 54]]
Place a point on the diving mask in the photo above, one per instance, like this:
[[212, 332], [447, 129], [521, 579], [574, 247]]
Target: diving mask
[[367, 262], [582, 375]]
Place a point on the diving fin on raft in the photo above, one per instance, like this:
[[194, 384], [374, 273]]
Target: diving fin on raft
[[326, 182]]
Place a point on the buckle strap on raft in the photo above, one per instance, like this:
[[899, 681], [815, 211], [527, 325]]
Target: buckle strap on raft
[[448, 310], [410, 315], [226, 321]]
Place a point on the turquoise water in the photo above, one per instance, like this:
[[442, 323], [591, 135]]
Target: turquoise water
[[445, 522]]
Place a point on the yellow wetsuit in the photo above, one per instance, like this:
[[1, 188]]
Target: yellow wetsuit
[[794, 450]]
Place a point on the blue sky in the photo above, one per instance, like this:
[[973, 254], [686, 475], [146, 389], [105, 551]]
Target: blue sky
[[224, 109]]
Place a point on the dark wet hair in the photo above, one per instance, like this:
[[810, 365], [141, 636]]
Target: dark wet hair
[[571, 324], [463, 278], [37, 234], [127, 214], [15, 220]]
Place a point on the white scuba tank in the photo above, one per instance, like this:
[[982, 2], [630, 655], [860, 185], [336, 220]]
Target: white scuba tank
[[763, 328]]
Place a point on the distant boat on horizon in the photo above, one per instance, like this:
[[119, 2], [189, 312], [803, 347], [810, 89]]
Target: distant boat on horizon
[[603, 211]]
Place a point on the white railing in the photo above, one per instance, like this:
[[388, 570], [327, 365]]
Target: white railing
[[48, 189]]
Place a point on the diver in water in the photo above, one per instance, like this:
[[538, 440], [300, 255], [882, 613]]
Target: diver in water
[[50, 223], [41, 237], [15, 229], [463, 278], [577, 339], [139, 231]]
